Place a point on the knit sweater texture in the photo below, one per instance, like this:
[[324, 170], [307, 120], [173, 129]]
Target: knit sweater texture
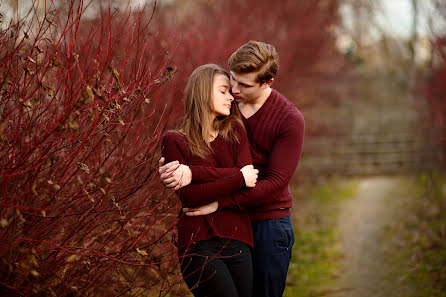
[[276, 136], [230, 223]]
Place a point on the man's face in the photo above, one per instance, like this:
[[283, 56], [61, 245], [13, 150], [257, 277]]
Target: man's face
[[244, 86]]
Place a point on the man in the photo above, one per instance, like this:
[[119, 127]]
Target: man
[[275, 130]]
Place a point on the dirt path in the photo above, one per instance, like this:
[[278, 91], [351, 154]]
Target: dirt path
[[364, 222]]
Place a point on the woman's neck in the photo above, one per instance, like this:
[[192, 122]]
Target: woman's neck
[[213, 135]]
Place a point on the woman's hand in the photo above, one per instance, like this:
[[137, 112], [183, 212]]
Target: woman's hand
[[250, 175]]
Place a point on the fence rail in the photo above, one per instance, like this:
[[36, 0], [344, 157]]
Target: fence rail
[[369, 153]]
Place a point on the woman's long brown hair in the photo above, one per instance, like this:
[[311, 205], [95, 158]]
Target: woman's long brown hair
[[198, 123]]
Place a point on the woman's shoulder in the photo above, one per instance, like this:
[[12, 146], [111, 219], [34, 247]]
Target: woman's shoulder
[[172, 133], [173, 136], [174, 147], [238, 128]]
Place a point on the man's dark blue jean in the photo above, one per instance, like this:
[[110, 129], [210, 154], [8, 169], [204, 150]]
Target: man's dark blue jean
[[273, 242]]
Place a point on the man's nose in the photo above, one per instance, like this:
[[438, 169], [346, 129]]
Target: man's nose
[[235, 89]]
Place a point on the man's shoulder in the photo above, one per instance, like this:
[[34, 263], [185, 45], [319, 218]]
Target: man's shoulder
[[286, 108]]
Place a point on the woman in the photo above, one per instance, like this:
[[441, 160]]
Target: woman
[[214, 250]]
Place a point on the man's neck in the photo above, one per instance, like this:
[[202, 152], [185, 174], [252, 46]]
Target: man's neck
[[251, 107]]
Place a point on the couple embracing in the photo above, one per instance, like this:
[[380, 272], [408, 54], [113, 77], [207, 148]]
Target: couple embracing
[[230, 161]]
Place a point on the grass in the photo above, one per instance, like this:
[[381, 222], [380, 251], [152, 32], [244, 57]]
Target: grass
[[420, 252], [315, 263], [415, 239]]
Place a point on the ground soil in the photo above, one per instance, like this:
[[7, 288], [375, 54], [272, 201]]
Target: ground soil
[[367, 266]]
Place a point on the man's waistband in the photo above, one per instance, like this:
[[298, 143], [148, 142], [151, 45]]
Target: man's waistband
[[269, 214]]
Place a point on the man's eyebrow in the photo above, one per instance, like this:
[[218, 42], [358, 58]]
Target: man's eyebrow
[[246, 85], [241, 82]]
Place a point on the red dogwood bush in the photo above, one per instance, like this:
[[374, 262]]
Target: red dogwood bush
[[435, 84], [80, 122]]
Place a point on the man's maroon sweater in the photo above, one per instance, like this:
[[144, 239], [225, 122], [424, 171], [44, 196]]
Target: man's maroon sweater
[[276, 135], [228, 223]]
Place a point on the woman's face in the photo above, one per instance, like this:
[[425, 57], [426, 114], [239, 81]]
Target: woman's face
[[221, 96]]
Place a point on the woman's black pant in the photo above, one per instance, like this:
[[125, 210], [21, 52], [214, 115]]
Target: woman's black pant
[[218, 267]]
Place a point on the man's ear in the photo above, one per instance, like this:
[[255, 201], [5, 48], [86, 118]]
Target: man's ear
[[268, 83]]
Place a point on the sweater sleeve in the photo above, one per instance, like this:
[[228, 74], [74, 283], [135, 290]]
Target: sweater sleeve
[[282, 162], [175, 148], [201, 174]]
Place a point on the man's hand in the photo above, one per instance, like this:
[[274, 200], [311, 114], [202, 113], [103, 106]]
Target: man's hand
[[174, 175], [202, 210]]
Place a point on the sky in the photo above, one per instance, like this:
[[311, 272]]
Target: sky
[[396, 17]]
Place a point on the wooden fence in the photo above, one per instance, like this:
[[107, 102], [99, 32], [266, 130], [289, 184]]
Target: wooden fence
[[381, 128], [370, 153]]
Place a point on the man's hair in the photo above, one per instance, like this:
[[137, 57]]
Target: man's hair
[[255, 56]]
